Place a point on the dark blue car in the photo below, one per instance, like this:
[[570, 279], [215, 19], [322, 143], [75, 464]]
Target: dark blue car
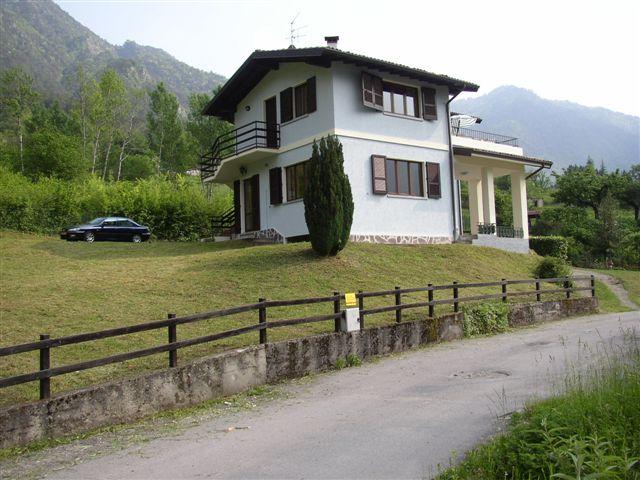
[[108, 228]]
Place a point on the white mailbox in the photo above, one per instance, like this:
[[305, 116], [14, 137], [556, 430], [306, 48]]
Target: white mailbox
[[350, 322]]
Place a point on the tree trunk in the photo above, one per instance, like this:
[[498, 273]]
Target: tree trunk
[[21, 148], [106, 158], [636, 212], [96, 142]]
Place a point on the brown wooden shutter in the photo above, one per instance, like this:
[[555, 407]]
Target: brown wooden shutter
[[311, 95], [433, 180], [379, 174], [371, 91], [286, 105], [275, 186], [236, 206], [429, 108]]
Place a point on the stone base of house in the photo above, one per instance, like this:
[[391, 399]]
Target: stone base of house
[[399, 239], [517, 245], [269, 235]]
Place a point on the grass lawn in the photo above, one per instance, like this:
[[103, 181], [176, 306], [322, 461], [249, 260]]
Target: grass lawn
[[607, 301], [631, 281], [59, 288]]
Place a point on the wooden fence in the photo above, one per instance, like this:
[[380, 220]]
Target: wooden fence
[[45, 344]]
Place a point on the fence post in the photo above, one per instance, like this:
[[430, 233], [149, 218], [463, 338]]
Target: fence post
[[430, 298], [566, 286], [398, 303], [504, 290], [593, 286], [336, 309], [455, 297], [173, 338], [361, 308], [538, 295], [262, 318], [45, 364]]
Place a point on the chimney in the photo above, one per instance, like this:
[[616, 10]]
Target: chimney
[[332, 42]]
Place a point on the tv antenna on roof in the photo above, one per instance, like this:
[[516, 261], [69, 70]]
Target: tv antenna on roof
[[294, 31]]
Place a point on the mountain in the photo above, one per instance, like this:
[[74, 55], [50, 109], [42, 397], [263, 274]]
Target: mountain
[[563, 132], [48, 43]]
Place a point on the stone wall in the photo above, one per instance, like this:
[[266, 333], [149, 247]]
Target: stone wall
[[238, 370], [518, 245], [537, 312]]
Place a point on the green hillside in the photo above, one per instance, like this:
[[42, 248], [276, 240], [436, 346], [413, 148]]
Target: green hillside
[[49, 44]]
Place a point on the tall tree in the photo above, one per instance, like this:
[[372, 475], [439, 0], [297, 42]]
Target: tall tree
[[328, 203], [630, 191], [114, 106], [164, 127], [203, 129], [133, 113], [585, 186], [17, 98]]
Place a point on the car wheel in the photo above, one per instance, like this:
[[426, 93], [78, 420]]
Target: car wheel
[[136, 239], [89, 237]]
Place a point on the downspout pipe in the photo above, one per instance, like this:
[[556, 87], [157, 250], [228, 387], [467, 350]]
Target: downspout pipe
[[534, 172], [453, 195]]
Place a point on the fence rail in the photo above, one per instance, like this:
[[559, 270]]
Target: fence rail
[[45, 344], [484, 136]]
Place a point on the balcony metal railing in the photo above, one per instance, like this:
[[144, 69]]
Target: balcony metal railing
[[484, 136], [247, 137], [500, 230]]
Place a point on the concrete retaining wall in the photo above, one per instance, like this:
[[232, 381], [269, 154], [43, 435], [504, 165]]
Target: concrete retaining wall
[[238, 370]]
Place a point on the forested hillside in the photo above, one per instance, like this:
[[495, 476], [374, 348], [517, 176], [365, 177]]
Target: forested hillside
[[50, 45]]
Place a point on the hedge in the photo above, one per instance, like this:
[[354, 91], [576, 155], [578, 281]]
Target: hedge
[[550, 246], [173, 208]]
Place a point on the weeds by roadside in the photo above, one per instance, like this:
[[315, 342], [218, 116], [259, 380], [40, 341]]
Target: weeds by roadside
[[590, 430]]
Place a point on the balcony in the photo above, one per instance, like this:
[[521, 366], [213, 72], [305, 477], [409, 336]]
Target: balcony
[[256, 137], [484, 136]]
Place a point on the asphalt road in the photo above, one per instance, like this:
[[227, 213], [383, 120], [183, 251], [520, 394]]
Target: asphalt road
[[400, 417]]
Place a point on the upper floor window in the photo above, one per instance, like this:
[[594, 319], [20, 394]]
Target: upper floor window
[[296, 178], [298, 101], [400, 99]]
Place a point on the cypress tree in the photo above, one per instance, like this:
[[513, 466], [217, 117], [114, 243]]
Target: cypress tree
[[328, 204]]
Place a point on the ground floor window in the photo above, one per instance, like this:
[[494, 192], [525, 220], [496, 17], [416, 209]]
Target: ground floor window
[[296, 178], [404, 177]]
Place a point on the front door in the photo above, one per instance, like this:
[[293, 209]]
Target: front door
[[271, 118], [252, 204]]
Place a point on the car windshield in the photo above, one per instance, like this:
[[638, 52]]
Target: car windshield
[[96, 221]]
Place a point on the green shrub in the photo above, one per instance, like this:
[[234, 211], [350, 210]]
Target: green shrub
[[328, 203], [485, 318], [173, 208], [552, 267], [353, 361], [551, 246]]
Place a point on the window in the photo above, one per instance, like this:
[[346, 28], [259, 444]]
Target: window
[[371, 91], [400, 99], [403, 177], [433, 180], [275, 186], [429, 109], [296, 176], [299, 101]]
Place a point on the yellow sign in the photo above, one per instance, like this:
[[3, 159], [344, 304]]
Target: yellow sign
[[350, 299]]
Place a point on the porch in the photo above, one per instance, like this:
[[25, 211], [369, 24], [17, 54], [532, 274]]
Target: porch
[[479, 160]]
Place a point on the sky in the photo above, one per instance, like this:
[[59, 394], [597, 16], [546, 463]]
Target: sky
[[586, 51]]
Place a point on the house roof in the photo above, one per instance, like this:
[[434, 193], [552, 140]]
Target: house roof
[[260, 62], [468, 151]]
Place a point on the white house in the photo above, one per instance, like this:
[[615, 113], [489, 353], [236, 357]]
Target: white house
[[404, 159]]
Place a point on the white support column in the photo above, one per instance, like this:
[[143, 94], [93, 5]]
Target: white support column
[[488, 196], [475, 205], [519, 202]]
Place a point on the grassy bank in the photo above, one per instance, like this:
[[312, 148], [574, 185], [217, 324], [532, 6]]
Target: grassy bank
[[630, 280], [588, 431], [59, 288]]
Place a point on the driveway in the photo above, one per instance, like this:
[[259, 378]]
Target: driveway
[[400, 417]]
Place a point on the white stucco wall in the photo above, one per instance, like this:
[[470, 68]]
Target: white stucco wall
[[396, 215], [290, 75]]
